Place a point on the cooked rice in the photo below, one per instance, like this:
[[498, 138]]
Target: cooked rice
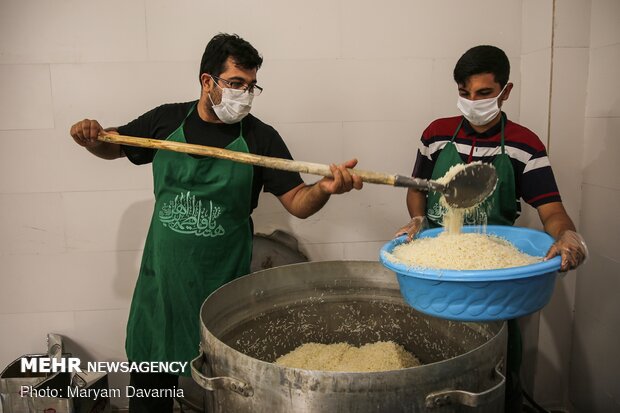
[[378, 356]]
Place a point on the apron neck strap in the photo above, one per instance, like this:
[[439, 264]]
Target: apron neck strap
[[189, 112], [458, 128], [503, 123]]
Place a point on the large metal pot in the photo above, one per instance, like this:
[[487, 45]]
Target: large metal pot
[[249, 322]]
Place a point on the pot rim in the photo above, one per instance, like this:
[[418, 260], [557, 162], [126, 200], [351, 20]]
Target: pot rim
[[225, 348]]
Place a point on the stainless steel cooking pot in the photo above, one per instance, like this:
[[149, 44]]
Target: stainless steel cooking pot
[[248, 323]]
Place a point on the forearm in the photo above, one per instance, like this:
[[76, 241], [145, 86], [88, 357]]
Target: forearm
[[105, 150], [307, 200], [557, 224], [416, 203], [555, 220], [304, 200]]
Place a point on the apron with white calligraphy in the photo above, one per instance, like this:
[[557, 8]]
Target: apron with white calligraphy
[[199, 239]]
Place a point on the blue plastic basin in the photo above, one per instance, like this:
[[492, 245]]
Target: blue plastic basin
[[480, 295]]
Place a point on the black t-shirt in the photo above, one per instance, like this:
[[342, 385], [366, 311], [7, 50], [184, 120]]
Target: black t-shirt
[[261, 139]]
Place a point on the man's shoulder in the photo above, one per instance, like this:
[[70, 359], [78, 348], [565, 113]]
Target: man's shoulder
[[520, 134], [260, 130], [167, 112], [264, 139], [258, 125], [173, 109], [441, 127]]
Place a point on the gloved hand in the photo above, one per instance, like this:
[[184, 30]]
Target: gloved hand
[[573, 249], [412, 227]]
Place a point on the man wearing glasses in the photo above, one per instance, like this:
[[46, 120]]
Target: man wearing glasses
[[200, 235]]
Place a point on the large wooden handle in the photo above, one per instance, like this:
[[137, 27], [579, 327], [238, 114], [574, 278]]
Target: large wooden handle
[[247, 158]]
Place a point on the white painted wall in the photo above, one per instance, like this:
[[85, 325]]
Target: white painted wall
[[595, 365], [535, 87], [342, 79], [565, 118]]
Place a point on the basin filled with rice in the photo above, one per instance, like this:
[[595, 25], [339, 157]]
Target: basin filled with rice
[[477, 274]]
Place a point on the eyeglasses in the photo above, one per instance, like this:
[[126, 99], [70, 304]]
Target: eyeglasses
[[253, 89]]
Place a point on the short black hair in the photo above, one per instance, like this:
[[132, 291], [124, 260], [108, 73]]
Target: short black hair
[[483, 59], [223, 46]]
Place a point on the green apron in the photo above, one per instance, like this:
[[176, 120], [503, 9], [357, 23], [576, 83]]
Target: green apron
[[199, 239], [500, 208]]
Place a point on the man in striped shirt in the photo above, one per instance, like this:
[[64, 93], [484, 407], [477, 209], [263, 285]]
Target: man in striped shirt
[[484, 133]]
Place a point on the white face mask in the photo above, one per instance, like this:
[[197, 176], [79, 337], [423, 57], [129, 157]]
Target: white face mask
[[234, 106], [479, 112]]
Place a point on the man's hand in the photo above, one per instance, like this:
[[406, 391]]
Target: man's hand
[[304, 200], [412, 227], [573, 249], [85, 133], [343, 181]]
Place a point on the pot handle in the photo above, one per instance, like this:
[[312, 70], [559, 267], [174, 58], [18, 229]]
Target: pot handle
[[218, 383], [446, 397]]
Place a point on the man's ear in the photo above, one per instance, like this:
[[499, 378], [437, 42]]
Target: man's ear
[[506, 93], [206, 81]]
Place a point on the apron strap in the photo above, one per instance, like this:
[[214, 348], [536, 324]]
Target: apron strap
[[502, 122], [189, 112], [458, 128]]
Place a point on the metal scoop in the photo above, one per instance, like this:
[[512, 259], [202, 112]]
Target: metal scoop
[[467, 188]]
